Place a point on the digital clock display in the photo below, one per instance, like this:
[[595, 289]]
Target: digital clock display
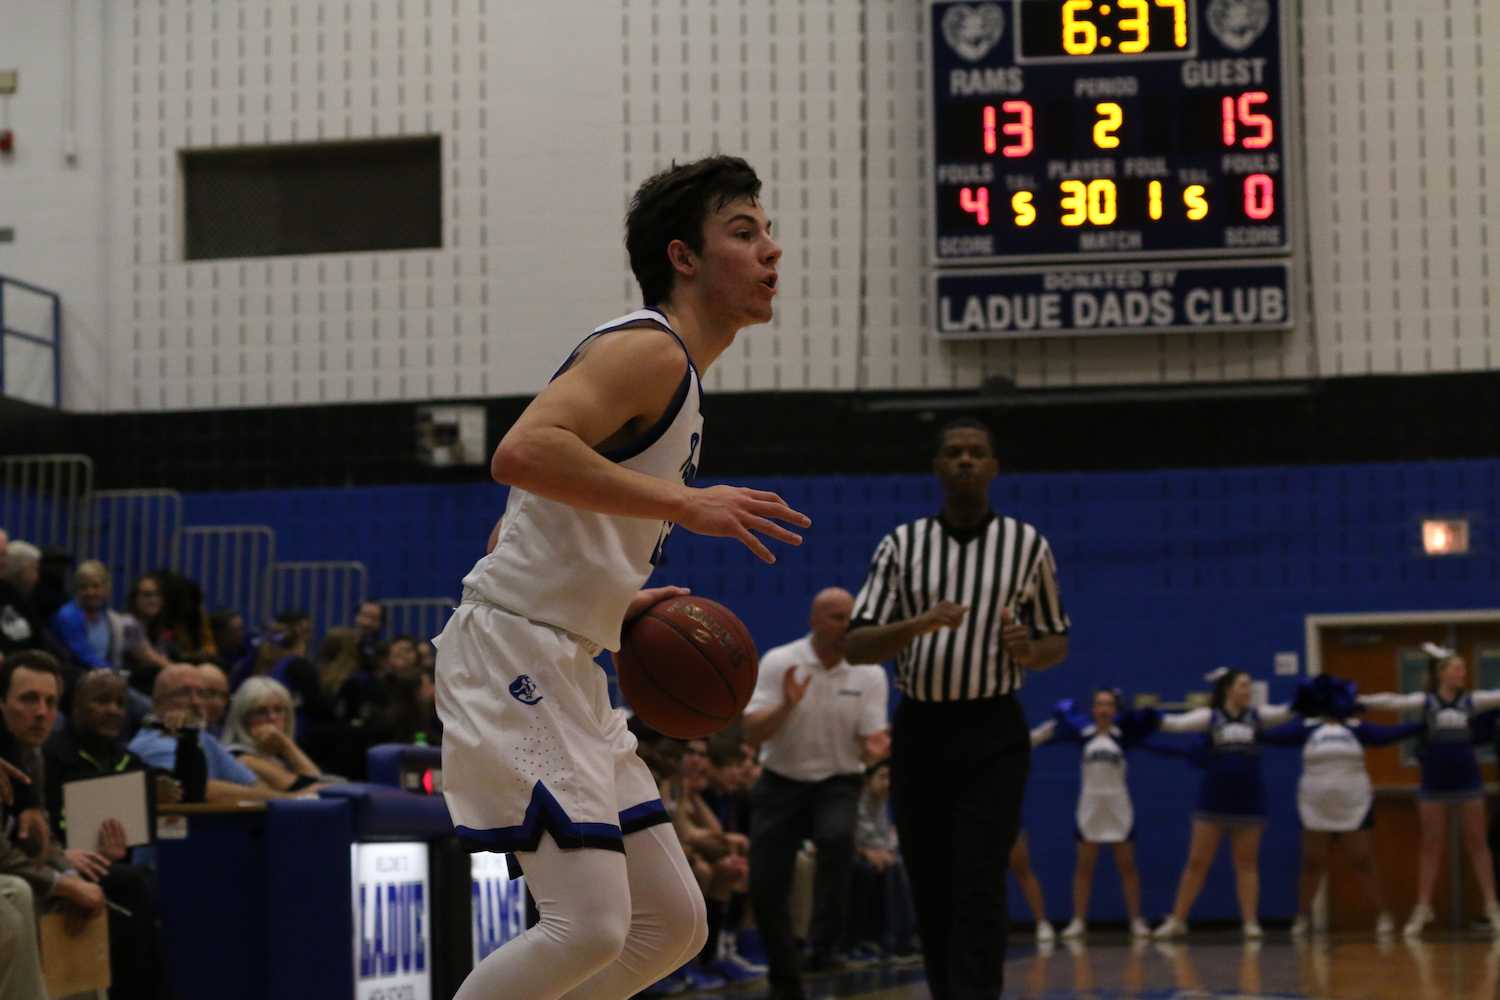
[[1108, 129], [1070, 29]]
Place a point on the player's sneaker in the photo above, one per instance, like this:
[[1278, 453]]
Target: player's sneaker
[[1139, 928], [1076, 929], [1252, 930], [1421, 916], [1169, 928], [700, 978], [1045, 932], [1385, 924]]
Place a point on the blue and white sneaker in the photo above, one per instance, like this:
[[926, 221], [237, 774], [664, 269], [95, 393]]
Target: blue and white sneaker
[[667, 986], [734, 974], [733, 956], [700, 978], [749, 946]]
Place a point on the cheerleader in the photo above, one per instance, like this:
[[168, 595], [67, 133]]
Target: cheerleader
[[1334, 795], [1031, 888], [1451, 781], [1232, 797], [1104, 814]]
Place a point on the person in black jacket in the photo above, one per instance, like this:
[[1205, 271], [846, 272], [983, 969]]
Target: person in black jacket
[[91, 746]]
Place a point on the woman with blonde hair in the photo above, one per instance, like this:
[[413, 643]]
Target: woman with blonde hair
[[258, 731]]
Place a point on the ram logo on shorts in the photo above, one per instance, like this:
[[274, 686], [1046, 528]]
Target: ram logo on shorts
[[523, 689]]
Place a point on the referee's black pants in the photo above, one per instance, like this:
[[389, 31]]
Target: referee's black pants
[[784, 813], [958, 775]]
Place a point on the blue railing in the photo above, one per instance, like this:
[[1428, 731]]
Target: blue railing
[[54, 342]]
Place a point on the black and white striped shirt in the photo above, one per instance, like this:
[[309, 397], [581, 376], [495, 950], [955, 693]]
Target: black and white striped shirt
[[1004, 563]]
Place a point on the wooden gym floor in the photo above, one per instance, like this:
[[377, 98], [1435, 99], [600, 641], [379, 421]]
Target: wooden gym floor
[[1354, 967]]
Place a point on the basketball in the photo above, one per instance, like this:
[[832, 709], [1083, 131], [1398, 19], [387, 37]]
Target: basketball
[[687, 667]]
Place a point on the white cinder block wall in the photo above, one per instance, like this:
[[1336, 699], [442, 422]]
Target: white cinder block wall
[[552, 113]]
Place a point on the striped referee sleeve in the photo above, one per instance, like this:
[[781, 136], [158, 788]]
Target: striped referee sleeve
[[879, 596], [1046, 612]]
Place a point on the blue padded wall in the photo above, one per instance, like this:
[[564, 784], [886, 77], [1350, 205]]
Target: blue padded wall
[[1165, 574]]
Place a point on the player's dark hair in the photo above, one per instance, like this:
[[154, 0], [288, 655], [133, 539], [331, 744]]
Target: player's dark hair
[[673, 205], [1115, 694], [963, 424], [1222, 685], [38, 660]]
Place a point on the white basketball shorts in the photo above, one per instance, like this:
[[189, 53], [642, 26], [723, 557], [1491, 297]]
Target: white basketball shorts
[[530, 742]]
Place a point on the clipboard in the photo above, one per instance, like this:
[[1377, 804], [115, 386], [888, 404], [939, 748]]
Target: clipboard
[[127, 797]]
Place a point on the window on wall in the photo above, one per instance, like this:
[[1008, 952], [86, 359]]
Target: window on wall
[[324, 197]]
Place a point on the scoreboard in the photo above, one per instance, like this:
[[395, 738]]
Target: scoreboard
[[1075, 132]]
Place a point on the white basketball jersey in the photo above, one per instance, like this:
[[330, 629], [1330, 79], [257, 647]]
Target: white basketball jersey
[[575, 569]]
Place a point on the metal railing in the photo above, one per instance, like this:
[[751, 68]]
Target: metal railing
[[44, 499], [328, 591], [422, 617], [25, 342], [133, 531], [232, 563]]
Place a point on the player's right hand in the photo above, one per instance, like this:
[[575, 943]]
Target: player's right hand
[[943, 614], [739, 512]]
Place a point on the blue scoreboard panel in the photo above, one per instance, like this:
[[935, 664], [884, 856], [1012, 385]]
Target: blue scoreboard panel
[[1109, 130]]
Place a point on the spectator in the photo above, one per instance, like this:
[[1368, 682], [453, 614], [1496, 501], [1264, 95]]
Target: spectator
[[727, 797], [369, 619], [90, 747], [338, 659], [51, 590], [819, 721], [97, 635], [282, 656], [20, 961], [175, 729], [258, 731], [426, 656], [231, 637], [184, 616], [883, 921], [20, 626], [299, 623], [31, 683], [145, 603], [718, 859], [215, 685], [101, 638]]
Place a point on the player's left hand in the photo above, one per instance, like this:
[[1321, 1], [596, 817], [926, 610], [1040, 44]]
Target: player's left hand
[[1016, 637], [644, 599]]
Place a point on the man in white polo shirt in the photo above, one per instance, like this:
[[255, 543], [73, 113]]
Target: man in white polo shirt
[[818, 721]]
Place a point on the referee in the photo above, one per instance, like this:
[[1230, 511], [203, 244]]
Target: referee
[[965, 601]]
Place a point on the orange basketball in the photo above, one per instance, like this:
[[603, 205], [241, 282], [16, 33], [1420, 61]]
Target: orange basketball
[[687, 667]]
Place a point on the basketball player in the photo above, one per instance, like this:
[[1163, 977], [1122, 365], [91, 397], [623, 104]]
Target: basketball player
[[535, 761]]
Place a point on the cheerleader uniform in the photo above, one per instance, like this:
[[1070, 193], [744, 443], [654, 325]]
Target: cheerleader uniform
[[1232, 791], [1104, 814], [1334, 794], [1450, 771]]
